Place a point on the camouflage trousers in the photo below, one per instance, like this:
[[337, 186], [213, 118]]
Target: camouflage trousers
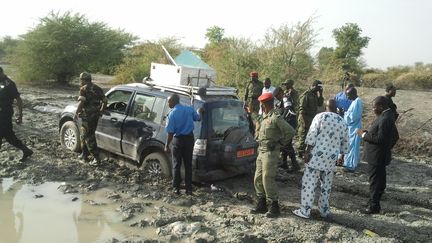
[[265, 174], [302, 131], [88, 138]]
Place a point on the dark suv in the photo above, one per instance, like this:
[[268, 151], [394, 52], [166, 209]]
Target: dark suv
[[133, 127]]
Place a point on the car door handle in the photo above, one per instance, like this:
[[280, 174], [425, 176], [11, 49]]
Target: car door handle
[[113, 119]]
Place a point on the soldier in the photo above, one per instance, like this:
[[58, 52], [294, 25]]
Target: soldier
[[308, 106], [290, 102], [272, 130], [92, 102], [9, 93], [253, 91]]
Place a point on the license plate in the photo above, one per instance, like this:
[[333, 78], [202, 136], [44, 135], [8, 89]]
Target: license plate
[[245, 152]]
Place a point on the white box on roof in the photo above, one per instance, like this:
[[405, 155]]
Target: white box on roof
[[186, 69], [181, 75]]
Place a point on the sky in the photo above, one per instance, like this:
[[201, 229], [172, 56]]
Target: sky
[[399, 29]]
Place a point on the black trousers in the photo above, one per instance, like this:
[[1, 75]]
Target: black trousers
[[6, 131], [377, 184], [182, 149]]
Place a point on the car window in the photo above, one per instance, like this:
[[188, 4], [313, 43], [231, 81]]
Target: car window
[[142, 107], [118, 100], [227, 115], [159, 108]]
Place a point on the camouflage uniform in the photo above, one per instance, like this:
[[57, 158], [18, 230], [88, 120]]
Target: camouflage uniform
[[92, 96], [308, 106], [253, 91], [272, 131]]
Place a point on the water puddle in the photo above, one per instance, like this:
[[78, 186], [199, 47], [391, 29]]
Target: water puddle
[[47, 109], [41, 213]]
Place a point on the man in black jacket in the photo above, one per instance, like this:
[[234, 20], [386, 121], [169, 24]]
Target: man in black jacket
[[9, 93], [379, 140]]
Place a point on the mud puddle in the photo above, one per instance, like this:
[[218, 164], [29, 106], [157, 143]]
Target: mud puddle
[[42, 213]]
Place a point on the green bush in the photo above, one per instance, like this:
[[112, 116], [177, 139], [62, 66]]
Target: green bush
[[137, 62], [63, 45]]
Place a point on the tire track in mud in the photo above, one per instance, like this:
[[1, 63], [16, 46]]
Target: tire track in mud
[[406, 217]]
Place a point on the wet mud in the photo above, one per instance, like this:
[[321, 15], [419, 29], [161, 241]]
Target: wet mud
[[53, 197]]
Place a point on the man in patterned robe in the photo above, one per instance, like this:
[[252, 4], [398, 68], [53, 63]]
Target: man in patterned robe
[[326, 139]]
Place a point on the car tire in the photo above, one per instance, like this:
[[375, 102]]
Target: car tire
[[70, 136], [157, 164]]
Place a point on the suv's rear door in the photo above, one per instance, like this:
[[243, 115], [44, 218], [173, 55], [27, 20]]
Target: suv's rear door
[[143, 122], [109, 129]]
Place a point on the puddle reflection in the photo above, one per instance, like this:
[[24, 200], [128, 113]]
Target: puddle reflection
[[25, 216]]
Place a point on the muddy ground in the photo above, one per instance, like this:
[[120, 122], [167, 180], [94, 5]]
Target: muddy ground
[[220, 213]]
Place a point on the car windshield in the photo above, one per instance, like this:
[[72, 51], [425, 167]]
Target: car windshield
[[226, 116]]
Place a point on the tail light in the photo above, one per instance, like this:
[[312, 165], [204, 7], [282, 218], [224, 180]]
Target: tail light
[[200, 147]]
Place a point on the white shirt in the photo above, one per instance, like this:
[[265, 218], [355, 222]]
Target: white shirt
[[270, 89], [265, 90]]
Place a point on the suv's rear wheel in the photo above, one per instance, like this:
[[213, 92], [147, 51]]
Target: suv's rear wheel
[[69, 136], [157, 164]]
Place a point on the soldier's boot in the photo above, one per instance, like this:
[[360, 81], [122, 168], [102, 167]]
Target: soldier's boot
[[274, 211], [96, 161], [84, 156], [26, 153], [261, 206], [295, 164]]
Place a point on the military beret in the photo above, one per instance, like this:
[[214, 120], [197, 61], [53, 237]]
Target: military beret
[[254, 74], [265, 97]]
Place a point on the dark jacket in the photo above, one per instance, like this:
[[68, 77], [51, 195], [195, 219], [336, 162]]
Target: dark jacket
[[380, 139]]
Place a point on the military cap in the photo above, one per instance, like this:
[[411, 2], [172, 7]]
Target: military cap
[[254, 74], [317, 83], [85, 76], [389, 87], [288, 82], [265, 97]]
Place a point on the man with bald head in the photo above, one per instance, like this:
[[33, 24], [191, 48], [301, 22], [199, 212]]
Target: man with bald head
[[180, 128], [326, 139]]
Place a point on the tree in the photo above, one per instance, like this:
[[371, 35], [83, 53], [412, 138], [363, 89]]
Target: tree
[[7, 46], [325, 56], [285, 51], [215, 34], [349, 46], [233, 59], [136, 64], [63, 45]]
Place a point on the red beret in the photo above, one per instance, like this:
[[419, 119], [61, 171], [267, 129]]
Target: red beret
[[254, 74], [265, 97]]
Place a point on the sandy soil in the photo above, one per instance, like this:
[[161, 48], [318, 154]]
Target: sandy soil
[[221, 213]]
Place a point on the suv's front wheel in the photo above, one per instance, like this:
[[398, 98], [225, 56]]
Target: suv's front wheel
[[156, 164], [69, 136]]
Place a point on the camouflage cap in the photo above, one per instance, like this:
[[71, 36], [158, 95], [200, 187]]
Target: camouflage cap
[[85, 76], [288, 82]]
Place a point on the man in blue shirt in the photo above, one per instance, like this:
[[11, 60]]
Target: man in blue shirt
[[180, 128], [342, 100]]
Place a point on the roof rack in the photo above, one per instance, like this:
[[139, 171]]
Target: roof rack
[[193, 90]]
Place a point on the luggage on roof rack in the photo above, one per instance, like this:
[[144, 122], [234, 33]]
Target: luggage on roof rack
[[194, 90]]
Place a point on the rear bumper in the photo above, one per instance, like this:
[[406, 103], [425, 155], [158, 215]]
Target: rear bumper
[[226, 161]]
